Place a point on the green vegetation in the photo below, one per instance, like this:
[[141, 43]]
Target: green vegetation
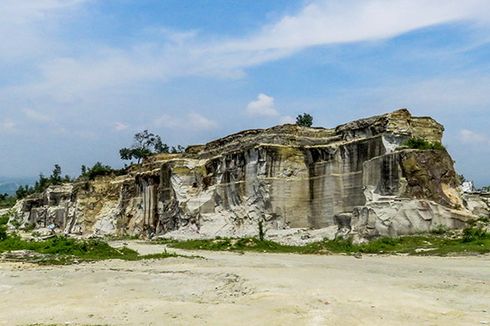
[[145, 144], [420, 143], [7, 201], [440, 230], [99, 169], [3, 226], [304, 120], [63, 250], [42, 183], [473, 240], [178, 149]]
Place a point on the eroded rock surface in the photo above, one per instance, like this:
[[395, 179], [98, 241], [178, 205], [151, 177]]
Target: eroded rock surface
[[302, 183], [478, 203]]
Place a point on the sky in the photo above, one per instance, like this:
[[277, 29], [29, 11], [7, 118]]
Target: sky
[[80, 77]]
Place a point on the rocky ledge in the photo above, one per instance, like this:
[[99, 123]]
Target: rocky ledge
[[299, 184]]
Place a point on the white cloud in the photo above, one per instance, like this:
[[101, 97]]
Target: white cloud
[[36, 116], [25, 26], [7, 125], [263, 106], [120, 126], [192, 121], [181, 53], [200, 122], [287, 119], [471, 137], [327, 22], [433, 95], [167, 121]]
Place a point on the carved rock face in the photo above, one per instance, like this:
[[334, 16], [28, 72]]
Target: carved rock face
[[354, 179]]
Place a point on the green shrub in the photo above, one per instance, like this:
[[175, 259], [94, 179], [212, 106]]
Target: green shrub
[[440, 229], [420, 143], [474, 234], [7, 201], [98, 170], [4, 219], [3, 232]]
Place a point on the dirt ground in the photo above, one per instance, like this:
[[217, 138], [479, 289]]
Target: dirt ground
[[250, 289]]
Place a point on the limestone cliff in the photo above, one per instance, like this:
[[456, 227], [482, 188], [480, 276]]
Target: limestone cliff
[[302, 183]]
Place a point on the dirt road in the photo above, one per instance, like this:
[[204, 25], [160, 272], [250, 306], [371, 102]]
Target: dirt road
[[250, 289]]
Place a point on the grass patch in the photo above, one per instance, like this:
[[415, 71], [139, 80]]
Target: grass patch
[[61, 250], [242, 244], [472, 241]]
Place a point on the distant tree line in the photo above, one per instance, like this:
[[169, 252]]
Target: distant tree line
[[43, 183], [145, 145]]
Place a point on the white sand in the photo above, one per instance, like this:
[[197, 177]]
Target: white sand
[[250, 289]]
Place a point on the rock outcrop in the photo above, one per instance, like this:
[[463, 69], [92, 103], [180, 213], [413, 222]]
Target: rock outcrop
[[301, 183], [478, 203]]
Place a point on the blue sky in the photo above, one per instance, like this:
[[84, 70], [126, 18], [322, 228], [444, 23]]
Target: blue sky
[[80, 77]]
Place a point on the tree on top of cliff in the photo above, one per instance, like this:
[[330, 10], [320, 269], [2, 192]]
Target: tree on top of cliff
[[304, 120], [145, 144]]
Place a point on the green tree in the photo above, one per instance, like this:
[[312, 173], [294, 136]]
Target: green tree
[[83, 170], [55, 178], [145, 144], [42, 183], [22, 192], [98, 169], [304, 120], [178, 149], [6, 201]]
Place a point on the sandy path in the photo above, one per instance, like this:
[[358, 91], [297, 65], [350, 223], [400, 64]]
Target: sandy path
[[250, 289]]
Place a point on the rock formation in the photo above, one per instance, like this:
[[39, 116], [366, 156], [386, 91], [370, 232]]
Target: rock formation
[[302, 183], [478, 203]]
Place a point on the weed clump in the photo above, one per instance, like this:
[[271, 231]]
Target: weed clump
[[474, 234], [440, 229]]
